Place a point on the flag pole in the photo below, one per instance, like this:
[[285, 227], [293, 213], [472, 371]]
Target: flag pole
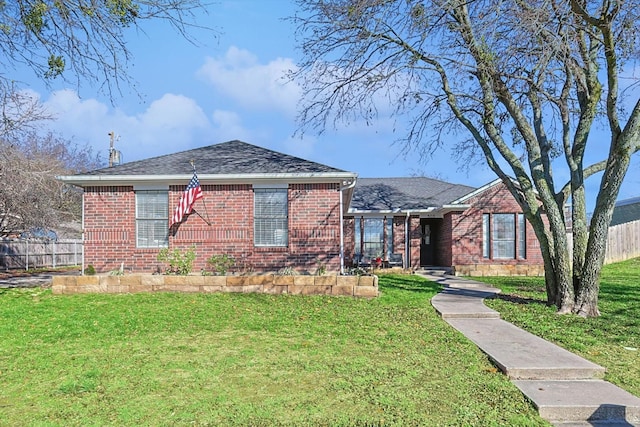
[[193, 165]]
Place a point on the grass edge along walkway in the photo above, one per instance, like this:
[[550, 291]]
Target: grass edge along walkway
[[563, 386], [611, 340]]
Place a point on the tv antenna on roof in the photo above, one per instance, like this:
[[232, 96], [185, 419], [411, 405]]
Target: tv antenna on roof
[[114, 155]]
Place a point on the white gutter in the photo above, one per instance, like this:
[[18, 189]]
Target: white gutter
[[342, 189], [294, 178]]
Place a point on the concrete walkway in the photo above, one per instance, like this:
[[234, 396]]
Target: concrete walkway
[[566, 389]]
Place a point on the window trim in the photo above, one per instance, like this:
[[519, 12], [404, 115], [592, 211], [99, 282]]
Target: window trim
[[162, 221], [383, 224], [271, 220], [519, 236]]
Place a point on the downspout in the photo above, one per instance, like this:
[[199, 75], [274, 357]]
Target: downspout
[[82, 247], [342, 189], [407, 243]]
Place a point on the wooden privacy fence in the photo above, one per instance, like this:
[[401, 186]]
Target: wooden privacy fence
[[623, 242], [26, 254]]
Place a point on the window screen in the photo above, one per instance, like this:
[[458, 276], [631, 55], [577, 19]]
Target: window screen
[[373, 237], [152, 219], [503, 236], [271, 222]]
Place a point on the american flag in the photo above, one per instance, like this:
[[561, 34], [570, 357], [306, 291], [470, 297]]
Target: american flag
[[192, 193]]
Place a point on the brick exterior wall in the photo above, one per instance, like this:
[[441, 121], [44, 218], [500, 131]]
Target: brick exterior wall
[[314, 229], [467, 239], [459, 239], [415, 236]]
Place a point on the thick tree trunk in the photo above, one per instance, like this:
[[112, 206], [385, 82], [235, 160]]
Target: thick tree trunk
[[580, 234], [587, 296], [557, 266], [561, 262]]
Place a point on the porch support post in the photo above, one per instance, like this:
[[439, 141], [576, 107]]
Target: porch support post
[[361, 236], [385, 238], [341, 219], [407, 242]]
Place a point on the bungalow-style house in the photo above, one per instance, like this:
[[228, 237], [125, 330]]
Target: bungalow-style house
[[271, 211]]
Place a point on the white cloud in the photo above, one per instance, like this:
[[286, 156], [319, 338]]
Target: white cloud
[[169, 124], [301, 147], [253, 85], [228, 126], [68, 108]]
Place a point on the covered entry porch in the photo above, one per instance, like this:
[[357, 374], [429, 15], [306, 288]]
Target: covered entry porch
[[396, 239]]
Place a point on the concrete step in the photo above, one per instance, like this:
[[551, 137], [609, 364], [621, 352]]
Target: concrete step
[[436, 271], [568, 403], [454, 303], [523, 356]]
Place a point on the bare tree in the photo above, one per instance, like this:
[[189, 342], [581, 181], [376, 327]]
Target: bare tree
[[84, 39], [525, 81], [19, 112], [30, 194]]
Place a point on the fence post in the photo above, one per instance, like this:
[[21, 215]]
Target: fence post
[[26, 264], [53, 254]]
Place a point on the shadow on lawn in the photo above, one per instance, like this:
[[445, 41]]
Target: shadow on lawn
[[409, 283], [517, 299], [628, 292]]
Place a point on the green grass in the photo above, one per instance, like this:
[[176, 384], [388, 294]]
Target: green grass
[[169, 359], [611, 340]]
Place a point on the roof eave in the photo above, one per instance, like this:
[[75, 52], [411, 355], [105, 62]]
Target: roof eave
[[440, 210], [293, 178]]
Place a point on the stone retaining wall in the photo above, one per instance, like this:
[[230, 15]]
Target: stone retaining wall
[[356, 286], [480, 270]]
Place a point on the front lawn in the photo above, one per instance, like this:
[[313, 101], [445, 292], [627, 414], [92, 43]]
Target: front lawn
[[611, 340], [245, 359]]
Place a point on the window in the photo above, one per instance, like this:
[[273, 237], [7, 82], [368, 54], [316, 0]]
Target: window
[[522, 237], [371, 239], [152, 219], [271, 222], [501, 235], [486, 236]]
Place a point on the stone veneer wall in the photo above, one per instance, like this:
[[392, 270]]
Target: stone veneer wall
[[499, 270], [356, 286]]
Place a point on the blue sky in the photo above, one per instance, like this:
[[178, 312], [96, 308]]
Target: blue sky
[[230, 88]]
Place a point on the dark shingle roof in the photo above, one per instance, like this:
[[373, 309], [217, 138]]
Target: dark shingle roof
[[227, 158], [626, 211], [405, 193]]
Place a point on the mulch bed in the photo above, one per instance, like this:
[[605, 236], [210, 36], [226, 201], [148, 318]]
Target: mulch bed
[[8, 274]]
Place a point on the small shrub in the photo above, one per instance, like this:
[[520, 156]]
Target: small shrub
[[287, 271], [356, 271], [221, 263], [179, 263], [90, 270], [321, 270]]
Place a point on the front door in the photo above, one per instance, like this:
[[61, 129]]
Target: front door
[[429, 229]]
